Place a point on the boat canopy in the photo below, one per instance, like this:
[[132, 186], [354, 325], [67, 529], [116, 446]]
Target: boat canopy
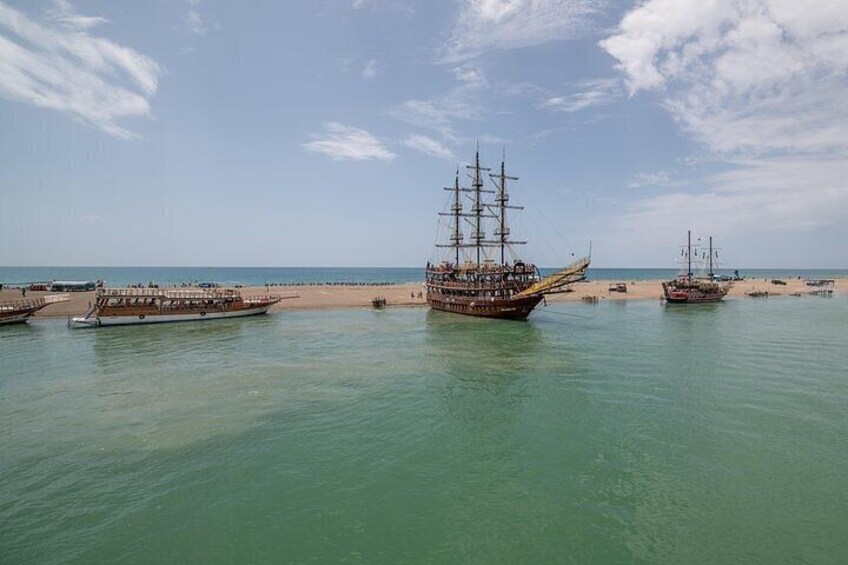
[[65, 286]]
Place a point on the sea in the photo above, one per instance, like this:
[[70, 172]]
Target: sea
[[618, 432], [259, 276]]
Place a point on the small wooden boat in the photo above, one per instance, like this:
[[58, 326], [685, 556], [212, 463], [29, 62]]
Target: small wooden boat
[[823, 287], [14, 311]]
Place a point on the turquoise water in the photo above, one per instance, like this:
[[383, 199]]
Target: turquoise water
[[257, 276], [619, 432]]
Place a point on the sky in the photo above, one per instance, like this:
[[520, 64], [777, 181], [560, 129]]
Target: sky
[[321, 132]]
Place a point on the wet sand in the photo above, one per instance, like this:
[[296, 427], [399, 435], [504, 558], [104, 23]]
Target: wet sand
[[331, 296]]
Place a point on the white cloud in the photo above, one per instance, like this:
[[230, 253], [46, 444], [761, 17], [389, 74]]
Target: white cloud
[[62, 12], [439, 113], [762, 85], [428, 146], [493, 139], [345, 143], [58, 65], [463, 102], [755, 75], [194, 20], [650, 179], [587, 94], [498, 25], [469, 74], [756, 195], [371, 69]]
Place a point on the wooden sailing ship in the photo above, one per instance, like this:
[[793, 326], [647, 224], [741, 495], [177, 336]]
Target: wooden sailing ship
[[15, 311], [688, 289], [478, 280], [125, 306]]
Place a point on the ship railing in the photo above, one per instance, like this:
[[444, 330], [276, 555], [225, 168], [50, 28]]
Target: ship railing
[[258, 299], [172, 294], [22, 303], [494, 285], [482, 268]]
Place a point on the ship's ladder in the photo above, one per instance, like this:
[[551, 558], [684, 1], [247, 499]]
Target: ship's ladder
[[558, 281]]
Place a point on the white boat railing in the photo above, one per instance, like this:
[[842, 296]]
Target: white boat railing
[[167, 293]]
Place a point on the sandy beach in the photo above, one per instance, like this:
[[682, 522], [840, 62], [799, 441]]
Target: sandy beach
[[314, 297]]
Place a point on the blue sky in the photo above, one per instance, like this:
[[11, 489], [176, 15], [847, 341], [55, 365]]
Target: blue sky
[[320, 132]]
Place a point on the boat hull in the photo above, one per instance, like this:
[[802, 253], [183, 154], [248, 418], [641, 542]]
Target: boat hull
[[502, 309], [15, 318], [703, 299], [94, 321], [688, 293]]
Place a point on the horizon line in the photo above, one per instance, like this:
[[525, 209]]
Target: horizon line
[[844, 268]]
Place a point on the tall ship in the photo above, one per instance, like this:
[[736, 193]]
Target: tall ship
[[125, 306], [689, 289], [478, 279], [15, 311]]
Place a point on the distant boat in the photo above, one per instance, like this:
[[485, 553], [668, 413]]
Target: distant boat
[[484, 286], [14, 311], [688, 289], [125, 306], [823, 287]]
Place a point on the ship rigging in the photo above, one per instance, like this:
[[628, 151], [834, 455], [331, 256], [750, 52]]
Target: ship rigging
[[480, 286]]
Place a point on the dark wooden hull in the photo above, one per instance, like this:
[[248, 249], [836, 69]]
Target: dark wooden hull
[[700, 299], [16, 316], [503, 309]]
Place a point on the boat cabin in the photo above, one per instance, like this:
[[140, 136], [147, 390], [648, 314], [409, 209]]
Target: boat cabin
[[72, 286]]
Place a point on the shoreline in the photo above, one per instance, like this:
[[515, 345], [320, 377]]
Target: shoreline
[[334, 296]]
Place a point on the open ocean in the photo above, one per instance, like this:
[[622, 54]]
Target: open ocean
[[258, 276], [623, 432]]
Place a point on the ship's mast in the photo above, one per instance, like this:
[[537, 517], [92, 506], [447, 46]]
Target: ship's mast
[[477, 209], [689, 253], [476, 216], [456, 238], [711, 257], [502, 198], [456, 213]]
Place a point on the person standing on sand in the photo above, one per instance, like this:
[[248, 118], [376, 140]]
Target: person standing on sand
[[23, 292]]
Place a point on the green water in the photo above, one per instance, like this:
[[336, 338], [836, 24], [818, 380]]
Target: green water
[[622, 432]]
